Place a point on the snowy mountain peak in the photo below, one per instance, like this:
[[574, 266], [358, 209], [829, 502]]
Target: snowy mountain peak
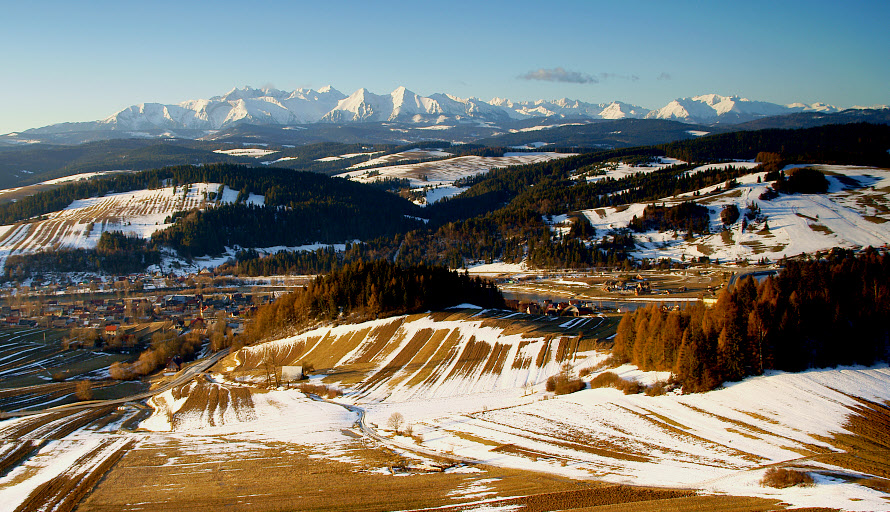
[[714, 99], [243, 93]]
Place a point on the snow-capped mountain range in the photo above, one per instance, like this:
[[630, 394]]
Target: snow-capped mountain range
[[268, 106]]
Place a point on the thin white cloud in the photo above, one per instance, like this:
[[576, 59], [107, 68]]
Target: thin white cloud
[[560, 75], [608, 76], [573, 77]]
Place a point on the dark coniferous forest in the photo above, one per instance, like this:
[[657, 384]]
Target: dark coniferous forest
[[115, 253], [373, 290], [818, 313]]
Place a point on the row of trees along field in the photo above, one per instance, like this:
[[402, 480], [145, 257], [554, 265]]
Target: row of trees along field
[[166, 343], [115, 253], [372, 290], [819, 313]]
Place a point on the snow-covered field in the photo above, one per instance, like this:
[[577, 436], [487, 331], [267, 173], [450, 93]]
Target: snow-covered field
[[275, 415], [471, 383], [854, 214], [437, 178], [492, 269], [721, 442], [78, 177], [251, 152], [483, 357], [486, 405], [262, 419], [348, 156], [619, 170], [411, 154]]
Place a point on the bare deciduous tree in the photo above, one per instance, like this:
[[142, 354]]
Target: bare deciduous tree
[[83, 390], [395, 422], [272, 368]]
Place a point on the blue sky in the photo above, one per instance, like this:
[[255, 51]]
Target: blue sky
[[80, 61]]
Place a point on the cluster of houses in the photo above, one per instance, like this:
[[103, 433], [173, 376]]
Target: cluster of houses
[[573, 307], [64, 284], [638, 287], [126, 320]]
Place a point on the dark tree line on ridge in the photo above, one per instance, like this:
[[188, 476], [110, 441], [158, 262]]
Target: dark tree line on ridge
[[814, 314], [373, 290], [210, 231], [115, 253]]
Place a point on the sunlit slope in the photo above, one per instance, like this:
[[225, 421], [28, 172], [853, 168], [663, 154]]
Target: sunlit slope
[[831, 423], [432, 355], [81, 224], [854, 213]]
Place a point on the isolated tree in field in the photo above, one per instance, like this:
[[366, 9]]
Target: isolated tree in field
[[395, 422], [730, 214], [83, 390], [120, 371], [272, 368]]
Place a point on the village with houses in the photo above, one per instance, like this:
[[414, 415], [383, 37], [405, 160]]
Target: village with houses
[[127, 315], [121, 313]]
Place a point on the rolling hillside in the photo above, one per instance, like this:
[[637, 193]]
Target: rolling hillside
[[436, 179], [433, 355], [79, 226]]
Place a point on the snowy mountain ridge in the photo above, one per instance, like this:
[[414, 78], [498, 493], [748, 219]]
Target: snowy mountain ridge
[[712, 108], [270, 106]]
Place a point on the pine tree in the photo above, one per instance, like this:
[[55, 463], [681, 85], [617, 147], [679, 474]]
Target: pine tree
[[623, 347]]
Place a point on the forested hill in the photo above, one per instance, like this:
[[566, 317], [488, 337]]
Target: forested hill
[[556, 192], [851, 144], [280, 187], [299, 208], [373, 290], [501, 213], [21, 166]]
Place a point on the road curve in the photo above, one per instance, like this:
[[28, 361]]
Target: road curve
[[370, 432], [182, 377], [738, 276]]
